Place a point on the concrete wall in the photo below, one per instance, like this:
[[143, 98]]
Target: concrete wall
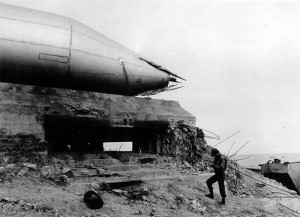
[[23, 110]]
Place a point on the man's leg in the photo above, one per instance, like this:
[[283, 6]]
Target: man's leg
[[221, 181], [209, 184]]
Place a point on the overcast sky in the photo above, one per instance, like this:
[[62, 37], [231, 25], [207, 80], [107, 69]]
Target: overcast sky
[[241, 60]]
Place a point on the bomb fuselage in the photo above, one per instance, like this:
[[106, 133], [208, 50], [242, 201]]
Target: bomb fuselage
[[43, 49]]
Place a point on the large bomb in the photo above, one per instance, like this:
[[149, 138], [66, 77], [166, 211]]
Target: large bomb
[[39, 48]]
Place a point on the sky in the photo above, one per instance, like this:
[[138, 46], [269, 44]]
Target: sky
[[241, 60]]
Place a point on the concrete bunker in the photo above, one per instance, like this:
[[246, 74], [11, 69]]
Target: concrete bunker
[[62, 120]]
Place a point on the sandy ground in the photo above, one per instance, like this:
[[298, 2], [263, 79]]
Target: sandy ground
[[166, 190]]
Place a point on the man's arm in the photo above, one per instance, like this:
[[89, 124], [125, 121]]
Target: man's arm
[[221, 164]]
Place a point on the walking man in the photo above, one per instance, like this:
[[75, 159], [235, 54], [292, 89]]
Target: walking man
[[219, 165]]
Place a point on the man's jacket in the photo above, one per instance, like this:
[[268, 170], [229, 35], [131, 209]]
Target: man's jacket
[[220, 164]]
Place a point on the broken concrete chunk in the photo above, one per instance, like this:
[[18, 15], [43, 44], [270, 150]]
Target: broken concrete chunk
[[30, 166], [145, 198], [85, 172], [25, 205], [197, 207], [47, 171], [10, 166], [180, 200], [101, 171], [90, 166], [137, 212], [187, 164], [119, 192], [65, 170], [68, 172], [94, 185], [2, 169], [23, 172], [43, 207], [62, 180]]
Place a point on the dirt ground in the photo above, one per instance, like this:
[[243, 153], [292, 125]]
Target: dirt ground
[[161, 188]]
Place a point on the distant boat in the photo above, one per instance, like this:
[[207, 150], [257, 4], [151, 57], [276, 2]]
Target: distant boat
[[287, 173]]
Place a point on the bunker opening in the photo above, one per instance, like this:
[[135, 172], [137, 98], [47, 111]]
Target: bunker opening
[[117, 146], [90, 135]]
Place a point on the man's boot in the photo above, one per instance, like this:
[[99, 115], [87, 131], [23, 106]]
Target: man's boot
[[222, 202], [211, 193], [211, 196]]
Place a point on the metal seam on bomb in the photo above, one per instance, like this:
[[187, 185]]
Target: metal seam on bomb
[[60, 27], [70, 46], [42, 24], [33, 43]]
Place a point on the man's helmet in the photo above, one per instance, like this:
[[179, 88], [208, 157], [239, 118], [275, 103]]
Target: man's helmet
[[214, 152]]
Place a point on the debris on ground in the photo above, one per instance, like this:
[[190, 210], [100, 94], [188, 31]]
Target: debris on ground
[[185, 143], [137, 184], [13, 206], [59, 176]]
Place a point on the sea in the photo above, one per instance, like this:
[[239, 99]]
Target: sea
[[253, 160]]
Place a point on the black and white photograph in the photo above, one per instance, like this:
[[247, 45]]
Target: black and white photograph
[[163, 108]]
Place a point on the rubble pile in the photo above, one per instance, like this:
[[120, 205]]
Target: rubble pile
[[56, 174], [12, 171], [185, 143], [16, 207], [13, 206], [236, 181], [21, 147]]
